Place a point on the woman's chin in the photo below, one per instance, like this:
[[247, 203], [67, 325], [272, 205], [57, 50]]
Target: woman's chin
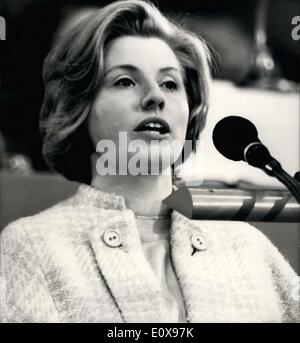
[[146, 163]]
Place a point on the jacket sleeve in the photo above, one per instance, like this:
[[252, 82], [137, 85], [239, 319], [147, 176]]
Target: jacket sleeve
[[24, 295], [285, 279]]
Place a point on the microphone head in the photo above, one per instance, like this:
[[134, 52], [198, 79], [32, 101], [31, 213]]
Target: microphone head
[[232, 135]]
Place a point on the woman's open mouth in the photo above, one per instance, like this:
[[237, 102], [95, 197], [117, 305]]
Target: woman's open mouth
[[154, 127]]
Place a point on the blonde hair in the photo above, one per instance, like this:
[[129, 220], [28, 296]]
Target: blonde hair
[[73, 73]]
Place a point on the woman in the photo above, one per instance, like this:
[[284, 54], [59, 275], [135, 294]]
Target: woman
[[113, 252]]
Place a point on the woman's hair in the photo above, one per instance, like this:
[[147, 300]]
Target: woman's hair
[[73, 74]]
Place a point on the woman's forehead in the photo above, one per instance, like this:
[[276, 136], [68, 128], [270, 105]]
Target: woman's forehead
[[144, 53]]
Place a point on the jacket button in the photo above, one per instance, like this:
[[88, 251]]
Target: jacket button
[[198, 242], [112, 238]]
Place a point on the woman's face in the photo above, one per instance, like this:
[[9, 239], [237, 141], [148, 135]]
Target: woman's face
[[142, 95]]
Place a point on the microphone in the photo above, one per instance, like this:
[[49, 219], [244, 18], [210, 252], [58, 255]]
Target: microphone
[[236, 138]]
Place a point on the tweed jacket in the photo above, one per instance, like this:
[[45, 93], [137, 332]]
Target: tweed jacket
[[56, 266]]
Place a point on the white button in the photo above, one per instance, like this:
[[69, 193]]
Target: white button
[[112, 238], [198, 242]]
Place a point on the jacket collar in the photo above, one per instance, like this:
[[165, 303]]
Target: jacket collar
[[95, 197]]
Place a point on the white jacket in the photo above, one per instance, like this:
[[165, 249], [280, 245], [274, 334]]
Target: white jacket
[[59, 266]]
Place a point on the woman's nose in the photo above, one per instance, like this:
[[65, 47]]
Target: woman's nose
[[153, 100]]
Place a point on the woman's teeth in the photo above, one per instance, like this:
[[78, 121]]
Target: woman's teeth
[[154, 127], [157, 126]]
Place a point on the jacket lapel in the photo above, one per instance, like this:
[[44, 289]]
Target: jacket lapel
[[126, 271], [189, 263]]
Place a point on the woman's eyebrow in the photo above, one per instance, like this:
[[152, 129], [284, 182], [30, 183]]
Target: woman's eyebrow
[[133, 68], [167, 69], [129, 67]]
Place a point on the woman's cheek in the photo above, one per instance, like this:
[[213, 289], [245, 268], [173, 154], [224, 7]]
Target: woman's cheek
[[182, 110]]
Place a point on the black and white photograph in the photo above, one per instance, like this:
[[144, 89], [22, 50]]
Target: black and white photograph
[[149, 163]]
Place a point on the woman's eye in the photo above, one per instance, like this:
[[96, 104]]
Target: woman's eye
[[124, 82], [170, 85]]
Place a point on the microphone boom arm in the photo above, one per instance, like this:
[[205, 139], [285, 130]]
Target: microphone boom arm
[[274, 169]]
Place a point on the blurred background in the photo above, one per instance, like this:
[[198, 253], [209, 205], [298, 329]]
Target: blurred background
[[256, 75]]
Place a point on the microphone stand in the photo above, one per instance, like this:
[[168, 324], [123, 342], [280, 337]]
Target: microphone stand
[[257, 155], [274, 169]]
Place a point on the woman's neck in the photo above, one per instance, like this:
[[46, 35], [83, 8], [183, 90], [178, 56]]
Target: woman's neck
[[143, 193]]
